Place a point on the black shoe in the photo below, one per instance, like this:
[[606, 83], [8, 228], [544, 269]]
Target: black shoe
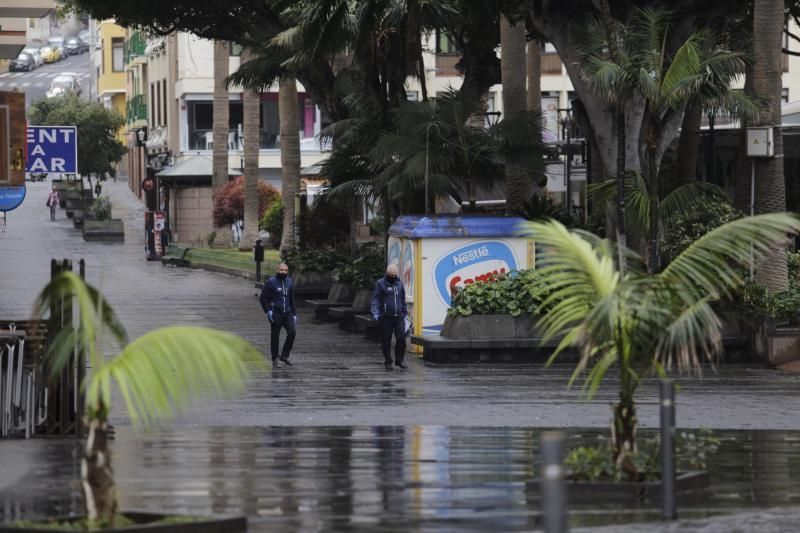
[[401, 365], [276, 363], [387, 366], [285, 361]]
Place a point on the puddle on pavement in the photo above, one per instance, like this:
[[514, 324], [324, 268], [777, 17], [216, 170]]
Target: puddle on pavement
[[420, 478]]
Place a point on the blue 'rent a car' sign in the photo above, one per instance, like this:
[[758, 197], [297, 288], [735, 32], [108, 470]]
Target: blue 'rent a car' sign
[[52, 149]]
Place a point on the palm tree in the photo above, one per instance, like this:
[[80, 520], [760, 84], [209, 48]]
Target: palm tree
[[534, 72], [637, 322], [518, 184], [768, 23], [156, 374], [251, 111], [647, 67], [290, 157], [220, 126]]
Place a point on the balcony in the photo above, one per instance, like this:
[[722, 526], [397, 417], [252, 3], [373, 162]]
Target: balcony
[[135, 46], [137, 109]]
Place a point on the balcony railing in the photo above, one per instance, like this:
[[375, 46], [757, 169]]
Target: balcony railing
[[137, 108], [135, 45]]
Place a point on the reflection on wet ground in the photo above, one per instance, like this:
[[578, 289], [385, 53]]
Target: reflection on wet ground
[[417, 478]]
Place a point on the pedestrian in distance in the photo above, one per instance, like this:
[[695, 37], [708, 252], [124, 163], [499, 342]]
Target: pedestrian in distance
[[277, 301], [52, 202], [2, 221], [388, 307]]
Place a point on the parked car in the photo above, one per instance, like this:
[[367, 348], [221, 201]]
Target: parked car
[[64, 83], [50, 54], [73, 46], [85, 38], [37, 56], [23, 62]]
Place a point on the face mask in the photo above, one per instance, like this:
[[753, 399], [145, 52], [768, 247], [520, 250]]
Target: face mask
[[391, 279], [280, 275]]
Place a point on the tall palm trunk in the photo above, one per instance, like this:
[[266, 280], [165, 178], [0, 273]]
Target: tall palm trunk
[[219, 154], [518, 184], [251, 104], [770, 197], [290, 158], [534, 68], [97, 476]]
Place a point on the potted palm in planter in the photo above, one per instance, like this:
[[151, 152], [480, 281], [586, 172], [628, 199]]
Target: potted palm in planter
[[602, 302], [98, 224], [156, 374]]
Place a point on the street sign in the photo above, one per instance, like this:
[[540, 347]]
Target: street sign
[[52, 149], [759, 142], [11, 197]]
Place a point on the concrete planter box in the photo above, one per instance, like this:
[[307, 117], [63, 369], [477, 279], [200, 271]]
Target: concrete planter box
[[144, 524], [628, 493], [104, 230], [773, 344], [489, 327]]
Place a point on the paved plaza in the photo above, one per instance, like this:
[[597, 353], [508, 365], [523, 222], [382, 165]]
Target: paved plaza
[[336, 442]]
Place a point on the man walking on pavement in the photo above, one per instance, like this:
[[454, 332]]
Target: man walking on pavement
[[277, 301], [388, 308]]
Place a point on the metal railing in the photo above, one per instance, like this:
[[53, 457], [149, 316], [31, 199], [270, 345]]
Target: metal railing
[[137, 108]]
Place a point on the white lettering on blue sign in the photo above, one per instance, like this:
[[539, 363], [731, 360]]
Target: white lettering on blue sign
[[470, 255], [52, 149]]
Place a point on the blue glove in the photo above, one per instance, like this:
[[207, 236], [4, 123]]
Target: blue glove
[[375, 317], [295, 319], [269, 315]]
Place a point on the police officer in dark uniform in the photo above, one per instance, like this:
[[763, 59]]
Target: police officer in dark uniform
[[277, 301], [388, 308]]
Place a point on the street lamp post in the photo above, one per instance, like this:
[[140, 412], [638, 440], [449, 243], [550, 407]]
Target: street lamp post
[[566, 124], [427, 161]]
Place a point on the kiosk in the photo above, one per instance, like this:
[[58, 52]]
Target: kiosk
[[439, 254]]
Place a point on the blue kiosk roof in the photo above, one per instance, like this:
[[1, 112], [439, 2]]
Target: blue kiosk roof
[[416, 226]]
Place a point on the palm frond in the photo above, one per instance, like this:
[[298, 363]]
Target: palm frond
[[710, 266], [160, 371], [96, 317]]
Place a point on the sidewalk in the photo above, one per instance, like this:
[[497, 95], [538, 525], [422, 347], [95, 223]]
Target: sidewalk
[[781, 520]]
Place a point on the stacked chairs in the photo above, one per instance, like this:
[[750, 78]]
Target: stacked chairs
[[22, 387]]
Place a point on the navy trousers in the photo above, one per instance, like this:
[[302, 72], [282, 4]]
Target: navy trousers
[[285, 321], [392, 325]]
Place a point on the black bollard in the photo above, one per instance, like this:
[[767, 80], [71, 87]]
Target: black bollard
[[553, 490], [258, 256], [668, 506]]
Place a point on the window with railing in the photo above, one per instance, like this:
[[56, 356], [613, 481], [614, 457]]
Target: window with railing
[[137, 108], [135, 45]]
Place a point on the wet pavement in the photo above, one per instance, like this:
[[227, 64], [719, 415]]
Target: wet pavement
[[336, 442]]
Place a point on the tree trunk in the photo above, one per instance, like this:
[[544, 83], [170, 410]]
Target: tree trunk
[[623, 433], [97, 476], [251, 112], [290, 158], [534, 57], [519, 186], [219, 154], [688, 146], [770, 196], [620, 199]]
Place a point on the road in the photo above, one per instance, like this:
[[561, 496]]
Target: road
[[36, 83]]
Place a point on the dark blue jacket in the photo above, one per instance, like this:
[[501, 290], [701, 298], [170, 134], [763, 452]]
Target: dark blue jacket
[[389, 299], [278, 295]]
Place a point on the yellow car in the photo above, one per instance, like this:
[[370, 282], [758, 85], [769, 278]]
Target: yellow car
[[50, 54]]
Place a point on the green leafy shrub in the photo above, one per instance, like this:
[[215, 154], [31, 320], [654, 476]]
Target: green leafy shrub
[[512, 294], [364, 269], [685, 228], [101, 208], [272, 221], [211, 239], [326, 224], [316, 260], [594, 463]]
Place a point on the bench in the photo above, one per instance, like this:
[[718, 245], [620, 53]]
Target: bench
[[340, 295], [175, 255], [346, 315], [365, 324]]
